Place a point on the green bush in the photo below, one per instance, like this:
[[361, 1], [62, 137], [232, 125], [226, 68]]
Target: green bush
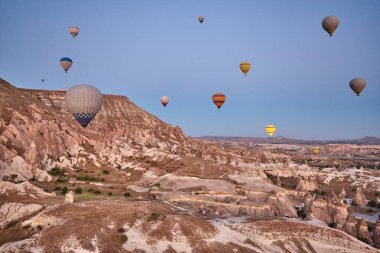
[[127, 194], [58, 188], [124, 238], [319, 192], [64, 190], [110, 194], [377, 194], [353, 203], [106, 172], [97, 192], [90, 190], [57, 171], [301, 213], [78, 190], [372, 203], [87, 178]]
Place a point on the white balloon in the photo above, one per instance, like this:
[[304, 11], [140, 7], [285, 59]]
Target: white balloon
[[84, 102]]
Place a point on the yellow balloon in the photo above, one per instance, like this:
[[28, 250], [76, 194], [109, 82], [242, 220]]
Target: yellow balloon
[[245, 67], [315, 150], [271, 129]]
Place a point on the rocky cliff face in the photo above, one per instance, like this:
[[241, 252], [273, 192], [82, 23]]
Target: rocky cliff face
[[127, 153], [37, 133]]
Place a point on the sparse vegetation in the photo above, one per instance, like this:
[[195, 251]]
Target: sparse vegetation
[[156, 216], [372, 203], [11, 224], [78, 190], [57, 171], [301, 213], [58, 188], [87, 178], [110, 194], [121, 230], [127, 194], [377, 194], [64, 190], [97, 192], [90, 190], [332, 225], [124, 238], [106, 172], [319, 192], [353, 203]]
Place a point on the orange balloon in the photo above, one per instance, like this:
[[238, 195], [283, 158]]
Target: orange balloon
[[219, 99]]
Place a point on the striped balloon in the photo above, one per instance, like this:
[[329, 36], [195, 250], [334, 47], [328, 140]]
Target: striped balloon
[[66, 63], [219, 99], [74, 31], [83, 102], [271, 129], [201, 19], [245, 67]]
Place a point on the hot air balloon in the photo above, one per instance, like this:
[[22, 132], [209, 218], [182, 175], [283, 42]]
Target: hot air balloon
[[357, 85], [83, 102], [74, 31], [245, 67], [201, 19], [42, 80], [164, 100], [271, 129], [315, 150], [219, 99], [330, 23], [66, 63]]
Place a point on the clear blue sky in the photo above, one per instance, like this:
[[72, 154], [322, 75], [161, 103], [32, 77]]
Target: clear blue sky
[[146, 49]]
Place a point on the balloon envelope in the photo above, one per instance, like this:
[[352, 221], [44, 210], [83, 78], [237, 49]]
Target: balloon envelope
[[315, 150], [245, 67], [270, 129], [66, 63], [357, 85], [218, 99], [201, 19], [83, 102], [164, 100], [74, 31], [330, 23]]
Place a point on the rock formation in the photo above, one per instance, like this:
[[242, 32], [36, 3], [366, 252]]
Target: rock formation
[[363, 233], [278, 181], [342, 193], [12, 212], [69, 197], [360, 199], [306, 185], [351, 227], [376, 234]]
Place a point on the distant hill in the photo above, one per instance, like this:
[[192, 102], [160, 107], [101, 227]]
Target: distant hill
[[367, 140]]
